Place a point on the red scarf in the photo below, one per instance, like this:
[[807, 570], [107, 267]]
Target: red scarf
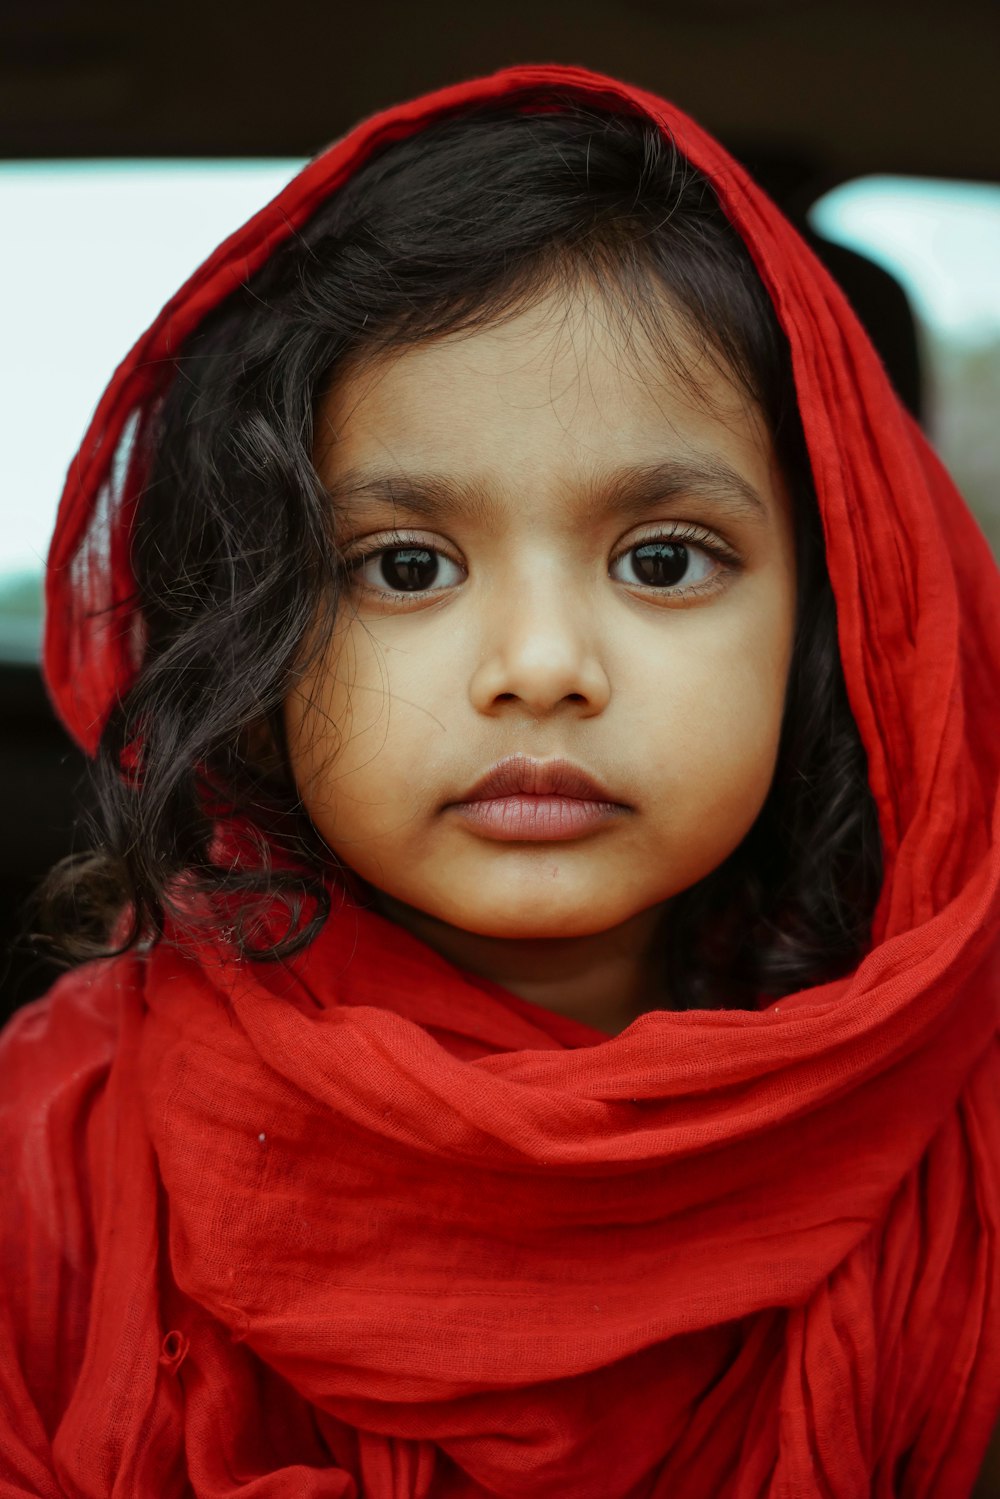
[[367, 1226]]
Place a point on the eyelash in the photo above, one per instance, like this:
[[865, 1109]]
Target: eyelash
[[730, 560]]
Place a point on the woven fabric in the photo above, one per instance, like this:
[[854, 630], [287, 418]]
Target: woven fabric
[[364, 1225]]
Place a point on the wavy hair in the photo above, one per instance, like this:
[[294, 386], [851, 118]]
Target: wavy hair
[[459, 227]]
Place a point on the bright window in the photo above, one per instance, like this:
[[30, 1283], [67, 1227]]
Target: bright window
[[89, 254], [941, 241]]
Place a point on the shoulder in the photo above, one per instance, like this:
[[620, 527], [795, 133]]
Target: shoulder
[[54, 1055], [46, 1043], [55, 1058]]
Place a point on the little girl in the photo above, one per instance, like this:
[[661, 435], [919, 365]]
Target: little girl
[[533, 1029]]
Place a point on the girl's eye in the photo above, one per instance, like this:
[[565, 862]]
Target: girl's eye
[[662, 562], [401, 569]]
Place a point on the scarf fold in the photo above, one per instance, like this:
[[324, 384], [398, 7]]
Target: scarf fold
[[362, 1224]]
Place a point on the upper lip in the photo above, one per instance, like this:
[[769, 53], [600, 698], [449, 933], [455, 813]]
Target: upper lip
[[521, 773]]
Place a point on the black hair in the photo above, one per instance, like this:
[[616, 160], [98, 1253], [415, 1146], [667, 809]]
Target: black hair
[[458, 227]]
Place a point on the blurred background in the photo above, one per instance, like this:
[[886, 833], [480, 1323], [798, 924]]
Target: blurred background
[[133, 138]]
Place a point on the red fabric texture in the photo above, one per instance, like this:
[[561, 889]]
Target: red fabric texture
[[362, 1225]]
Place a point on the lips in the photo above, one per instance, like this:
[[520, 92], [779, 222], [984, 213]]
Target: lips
[[521, 775]]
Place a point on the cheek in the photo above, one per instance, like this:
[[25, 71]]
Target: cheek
[[711, 730], [355, 733]]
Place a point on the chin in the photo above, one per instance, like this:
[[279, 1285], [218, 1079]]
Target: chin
[[527, 925]]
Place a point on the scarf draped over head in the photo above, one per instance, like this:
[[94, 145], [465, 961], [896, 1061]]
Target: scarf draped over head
[[360, 1224]]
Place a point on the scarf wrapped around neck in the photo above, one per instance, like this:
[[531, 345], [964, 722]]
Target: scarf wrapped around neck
[[362, 1224]]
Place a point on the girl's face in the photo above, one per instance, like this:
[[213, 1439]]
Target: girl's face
[[517, 466]]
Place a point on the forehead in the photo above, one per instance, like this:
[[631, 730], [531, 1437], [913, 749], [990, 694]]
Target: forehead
[[568, 385]]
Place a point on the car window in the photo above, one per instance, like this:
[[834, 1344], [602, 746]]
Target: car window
[[941, 241], [90, 252]]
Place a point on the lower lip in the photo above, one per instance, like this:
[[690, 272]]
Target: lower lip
[[541, 819]]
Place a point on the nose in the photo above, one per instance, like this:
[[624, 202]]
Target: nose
[[541, 647]]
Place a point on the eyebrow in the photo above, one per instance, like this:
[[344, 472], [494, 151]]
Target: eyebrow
[[625, 492]]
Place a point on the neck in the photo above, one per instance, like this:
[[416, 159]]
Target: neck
[[604, 980]]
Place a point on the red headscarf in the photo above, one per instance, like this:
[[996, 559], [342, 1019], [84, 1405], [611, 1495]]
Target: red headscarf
[[360, 1224]]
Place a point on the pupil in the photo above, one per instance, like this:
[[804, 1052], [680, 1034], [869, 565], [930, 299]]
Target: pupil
[[661, 562], [409, 568]]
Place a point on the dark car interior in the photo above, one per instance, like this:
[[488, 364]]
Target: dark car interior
[[808, 96]]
